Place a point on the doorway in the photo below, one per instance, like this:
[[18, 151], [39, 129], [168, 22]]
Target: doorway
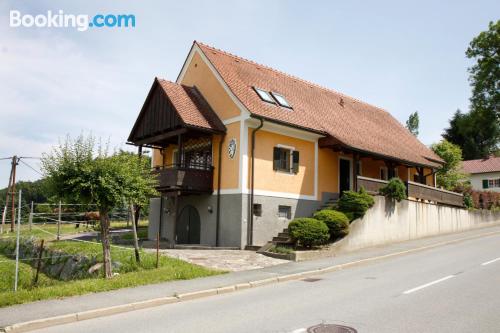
[[344, 175], [188, 226]]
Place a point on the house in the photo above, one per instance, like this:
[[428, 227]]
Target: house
[[484, 173], [241, 149]]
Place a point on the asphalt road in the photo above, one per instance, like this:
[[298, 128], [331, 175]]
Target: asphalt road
[[453, 288]]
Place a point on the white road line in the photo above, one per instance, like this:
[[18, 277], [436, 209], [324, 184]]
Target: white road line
[[299, 330], [490, 262], [428, 284]]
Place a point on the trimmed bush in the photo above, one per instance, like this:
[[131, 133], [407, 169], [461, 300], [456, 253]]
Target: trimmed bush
[[395, 190], [468, 202], [308, 231], [355, 203], [337, 222], [368, 198]]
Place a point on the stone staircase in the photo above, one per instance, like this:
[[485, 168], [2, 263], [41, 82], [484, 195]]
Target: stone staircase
[[328, 204]]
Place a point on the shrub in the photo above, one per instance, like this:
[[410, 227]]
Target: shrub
[[337, 222], [355, 203], [369, 199], [395, 190], [308, 231], [468, 202]]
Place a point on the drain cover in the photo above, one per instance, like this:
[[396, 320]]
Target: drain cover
[[311, 279], [330, 328]]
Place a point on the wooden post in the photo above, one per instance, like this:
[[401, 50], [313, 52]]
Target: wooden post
[[30, 218], [176, 209], [59, 222], [13, 193], [134, 231], [4, 216], [38, 264], [158, 248], [355, 172]]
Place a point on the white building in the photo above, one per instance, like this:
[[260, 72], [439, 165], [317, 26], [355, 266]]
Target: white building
[[484, 173]]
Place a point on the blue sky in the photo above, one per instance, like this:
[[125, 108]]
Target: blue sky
[[399, 56]]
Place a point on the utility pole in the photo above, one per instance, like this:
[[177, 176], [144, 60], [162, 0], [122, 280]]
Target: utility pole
[[15, 161], [4, 216]]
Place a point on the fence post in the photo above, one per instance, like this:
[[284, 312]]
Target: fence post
[[17, 241], [30, 219], [59, 222], [4, 215], [39, 263]]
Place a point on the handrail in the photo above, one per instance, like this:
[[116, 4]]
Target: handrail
[[434, 188]]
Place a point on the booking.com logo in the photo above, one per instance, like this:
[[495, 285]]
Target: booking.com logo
[[81, 22]]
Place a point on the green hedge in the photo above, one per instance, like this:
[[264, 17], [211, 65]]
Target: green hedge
[[355, 203], [395, 190], [337, 222], [308, 232]]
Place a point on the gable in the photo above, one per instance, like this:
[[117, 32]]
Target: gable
[[197, 72], [157, 116]]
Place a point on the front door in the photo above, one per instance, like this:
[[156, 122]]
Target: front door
[[344, 175], [188, 226]]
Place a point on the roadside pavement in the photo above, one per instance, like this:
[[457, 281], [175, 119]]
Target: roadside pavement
[[100, 304]]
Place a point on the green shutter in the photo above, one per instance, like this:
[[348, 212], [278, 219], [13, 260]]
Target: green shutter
[[485, 183], [295, 159], [276, 158]]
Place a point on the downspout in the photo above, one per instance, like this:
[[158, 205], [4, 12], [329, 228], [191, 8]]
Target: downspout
[[219, 174], [252, 177]]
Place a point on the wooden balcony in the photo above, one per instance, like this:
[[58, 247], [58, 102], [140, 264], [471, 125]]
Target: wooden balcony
[[190, 179], [415, 191]]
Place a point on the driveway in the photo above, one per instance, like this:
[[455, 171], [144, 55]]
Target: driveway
[[227, 260]]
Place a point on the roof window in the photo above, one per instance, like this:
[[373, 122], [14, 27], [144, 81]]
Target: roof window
[[281, 100], [264, 95]]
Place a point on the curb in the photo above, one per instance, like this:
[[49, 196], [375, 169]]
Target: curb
[[102, 312]]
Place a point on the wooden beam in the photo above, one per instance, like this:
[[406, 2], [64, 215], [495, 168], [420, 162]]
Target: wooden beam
[[162, 136]]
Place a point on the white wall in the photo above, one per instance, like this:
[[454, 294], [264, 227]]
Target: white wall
[[476, 181], [387, 222]]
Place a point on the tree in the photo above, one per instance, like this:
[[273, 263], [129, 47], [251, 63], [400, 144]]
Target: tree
[[79, 170], [450, 176], [412, 123], [478, 131]]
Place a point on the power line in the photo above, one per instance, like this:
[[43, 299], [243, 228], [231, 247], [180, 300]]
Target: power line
[[29, 166]]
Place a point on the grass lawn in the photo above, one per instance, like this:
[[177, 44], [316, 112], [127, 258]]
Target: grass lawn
[[130, 273]]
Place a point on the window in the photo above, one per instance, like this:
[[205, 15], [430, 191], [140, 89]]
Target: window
[[281, 100], [383, 173], [264, 95], [257, 209], [491, 183], [285, 212], [285, 159]]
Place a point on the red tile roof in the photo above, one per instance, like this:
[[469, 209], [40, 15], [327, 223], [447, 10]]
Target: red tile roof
[[357, 125], [191, 106], [491, 164]]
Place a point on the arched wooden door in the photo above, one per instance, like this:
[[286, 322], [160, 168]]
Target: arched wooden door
[[188, 226]]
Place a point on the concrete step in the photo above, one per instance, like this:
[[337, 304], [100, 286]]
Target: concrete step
[[280, 239], [284, 234], [252, 247], [265, 247]]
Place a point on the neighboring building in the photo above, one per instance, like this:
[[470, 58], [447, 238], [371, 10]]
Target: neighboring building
[[484, 173], [231, 136]]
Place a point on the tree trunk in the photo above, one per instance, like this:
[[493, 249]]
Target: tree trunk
[[134, 230], [106, 252], [137, 215]]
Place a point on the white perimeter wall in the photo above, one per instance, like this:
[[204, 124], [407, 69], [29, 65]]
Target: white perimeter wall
[[388, 222]]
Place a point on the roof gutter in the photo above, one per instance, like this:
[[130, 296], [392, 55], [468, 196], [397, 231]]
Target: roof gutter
[[252, 178]]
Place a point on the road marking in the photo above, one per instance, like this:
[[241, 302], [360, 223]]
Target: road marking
[[299, 330], [490, 262], [428, 284]]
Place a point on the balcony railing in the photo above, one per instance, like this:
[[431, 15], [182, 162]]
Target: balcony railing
[[415, 191], [192, 178]]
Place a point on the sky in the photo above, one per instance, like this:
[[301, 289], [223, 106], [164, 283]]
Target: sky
[[401, 56]]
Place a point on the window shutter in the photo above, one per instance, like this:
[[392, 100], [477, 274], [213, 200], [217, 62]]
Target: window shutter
[[295, 160], [485, 183], [276, 158]]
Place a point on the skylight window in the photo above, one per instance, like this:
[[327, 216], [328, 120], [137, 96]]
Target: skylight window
[[281, 100], [264, 95]]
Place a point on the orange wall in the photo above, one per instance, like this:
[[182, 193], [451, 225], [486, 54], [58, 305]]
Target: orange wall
[[328, 168], [200, 75], [270, 180], [230, 167]]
